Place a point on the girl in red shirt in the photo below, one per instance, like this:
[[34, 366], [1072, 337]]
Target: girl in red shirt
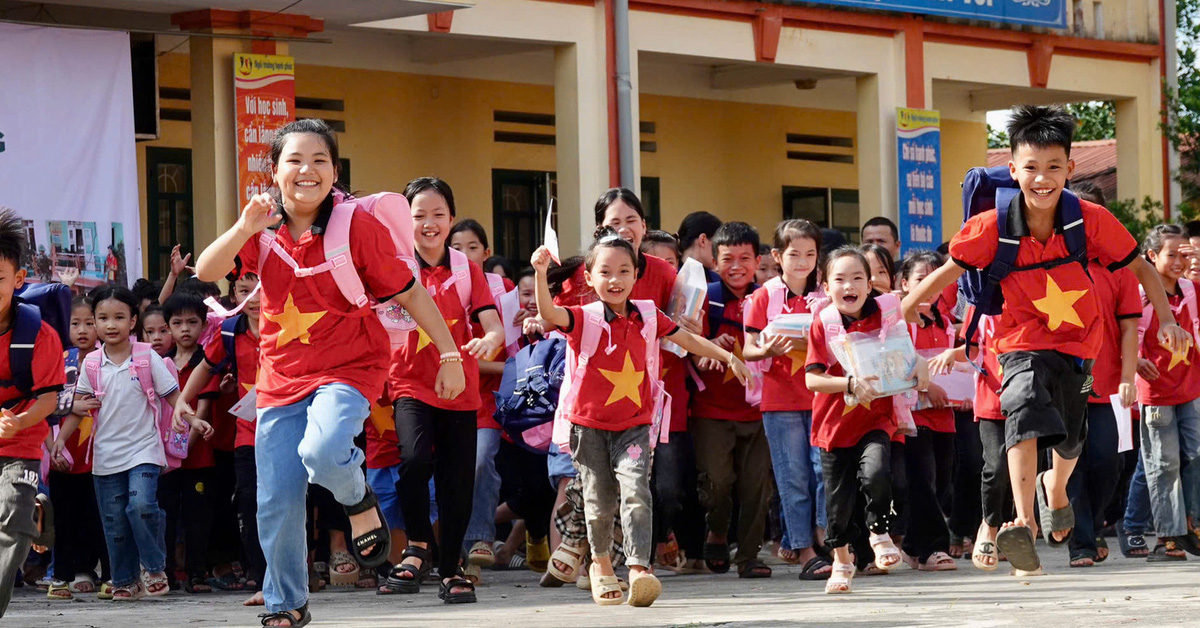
[[611, 411]]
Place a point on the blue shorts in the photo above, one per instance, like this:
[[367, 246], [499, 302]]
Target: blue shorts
[[559, 466], [383, 482]]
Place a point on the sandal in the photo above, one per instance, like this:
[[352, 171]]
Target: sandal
[[1190, 541], [339, 578], [157, 584], [604, 585], [305, 617], [644, 589], [59, 591], [473, 573], [716, 557], [839, 579], [754, 569], [537, 554], [938, 561], [105, 592], [398, 582], [378, 540], [227, 582], [366, 580], [1102, 550], [481, 555], [448, 594], [887, 555], [985, 549], [570, 557], [871, 569], [1082, 558], [197, 585], [84, 583], [129, 593], [45, 524], [957, 546], [789, 556], [1167, 551], [1016, 543], [813, 569], [1053, 520]]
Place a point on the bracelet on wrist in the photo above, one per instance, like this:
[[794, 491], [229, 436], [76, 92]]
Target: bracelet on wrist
[[450, 354], [849, 384], [450, 359]]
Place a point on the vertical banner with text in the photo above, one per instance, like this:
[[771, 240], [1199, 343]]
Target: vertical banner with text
[[918, 138], [264, 96]]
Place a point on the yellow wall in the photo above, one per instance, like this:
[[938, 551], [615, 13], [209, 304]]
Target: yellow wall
[[964, 146]]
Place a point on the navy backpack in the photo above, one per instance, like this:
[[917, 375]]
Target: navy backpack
[[994, 188], [35, 303], [230, 328], [528, 394]]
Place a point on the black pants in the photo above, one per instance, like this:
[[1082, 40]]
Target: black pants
[[864, 468], [1094, 482], [929, 456], [183, 495], [995, 489], [676, 501], [523, 477], [246, 494], [79, 537], [965, 507], [440, 444], [225, 546], [898, 463]]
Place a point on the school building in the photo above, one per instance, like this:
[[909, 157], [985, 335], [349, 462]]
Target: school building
[[753, 110]]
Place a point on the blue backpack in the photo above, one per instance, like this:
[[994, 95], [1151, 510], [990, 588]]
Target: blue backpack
[[35, 303], [528, 394], [716, 307], [994, 188], [230, 328]]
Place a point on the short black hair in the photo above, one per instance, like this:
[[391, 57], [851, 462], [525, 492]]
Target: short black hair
[[734, 234], [528, 272], [695, 225], [122, 294], [655, 237], [607, 238], [882, 221], [151, 310], [193, 285], [1041, 127], [472, 225], [184, 303], [12, 237], [612, 195], [492, 262], [832, 240], [422, 184], [1193, 228], [145, 289]]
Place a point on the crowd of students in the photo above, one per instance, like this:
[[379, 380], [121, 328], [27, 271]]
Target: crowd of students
[[358, 466]]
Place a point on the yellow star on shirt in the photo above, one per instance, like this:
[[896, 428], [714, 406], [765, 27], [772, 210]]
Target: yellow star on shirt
[[737, 351], [381, 418], [423, 339], [248, 387], [798, 358], [850, 407], [626, 383], [85, 429], [1059, 305], [293, 324]]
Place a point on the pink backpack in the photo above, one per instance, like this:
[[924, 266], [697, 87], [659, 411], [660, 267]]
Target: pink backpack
[[1188, 290], [393, 211], [595, 326], [776, 300], [507, 302], [175, 444]]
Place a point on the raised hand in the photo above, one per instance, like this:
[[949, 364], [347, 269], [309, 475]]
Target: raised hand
[[261, 212]]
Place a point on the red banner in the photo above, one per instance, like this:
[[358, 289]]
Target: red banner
[[264, 96]]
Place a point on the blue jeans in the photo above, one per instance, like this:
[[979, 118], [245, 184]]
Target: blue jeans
[[482, 526], [559, 466], [1137, 505], [798, 474], [133, 521], [311, 440], [1171, 455]]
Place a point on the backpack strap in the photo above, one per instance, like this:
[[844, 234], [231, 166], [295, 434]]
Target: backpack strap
[[776, 297], [229, 331], [91, 367], [661, 411], [1004, 263], [889, 312], [338, 261], [20, 352], [593, 326], [716, 307], [1188, 290], [507, 302], [835, 331], [460, 277]]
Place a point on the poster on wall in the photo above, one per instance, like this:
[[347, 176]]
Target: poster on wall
[[264, 96], [919, 146], [68, 164]]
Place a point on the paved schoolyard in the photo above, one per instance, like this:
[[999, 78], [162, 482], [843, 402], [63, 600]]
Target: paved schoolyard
[[1117, 592]]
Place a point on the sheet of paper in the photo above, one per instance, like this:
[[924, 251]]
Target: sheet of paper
[[1124, 423], [550, 238], [509, 303], [247, 407], [959, 385]]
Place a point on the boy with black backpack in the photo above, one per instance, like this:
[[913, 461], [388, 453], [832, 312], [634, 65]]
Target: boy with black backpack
[[31, 374], [1031, 255]]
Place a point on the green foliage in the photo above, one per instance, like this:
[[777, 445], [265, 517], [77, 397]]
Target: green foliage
[[1097, 120], [1182, 126], [997, 138], [1140, 218]]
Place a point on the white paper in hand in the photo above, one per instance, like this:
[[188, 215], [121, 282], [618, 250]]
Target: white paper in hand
[[550, 238], [1124, 424], [246, 408]]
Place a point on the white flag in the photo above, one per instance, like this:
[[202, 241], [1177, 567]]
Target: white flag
[[550, 238]]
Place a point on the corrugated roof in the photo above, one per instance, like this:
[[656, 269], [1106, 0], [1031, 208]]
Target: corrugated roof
[[1091, 158]]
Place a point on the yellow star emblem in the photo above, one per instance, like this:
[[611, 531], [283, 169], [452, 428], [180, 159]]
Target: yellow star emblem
[[85, 429], [1059, 305], [248, 387], [626, 383], [382, 420], [423, 339], [798, 358], [293, 324], [850, 407], [737, 351]]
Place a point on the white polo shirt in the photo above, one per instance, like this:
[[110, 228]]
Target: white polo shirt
[[125, 431]]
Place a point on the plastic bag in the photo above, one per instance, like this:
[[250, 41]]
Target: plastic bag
[[687, 298], [892, 359], [794, 326]]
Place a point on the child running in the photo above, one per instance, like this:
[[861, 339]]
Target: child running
[[611, 409]]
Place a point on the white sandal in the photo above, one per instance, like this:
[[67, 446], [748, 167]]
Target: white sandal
[[643, 589], [839, 582], [887, 555], [342, 579], [604, 585]]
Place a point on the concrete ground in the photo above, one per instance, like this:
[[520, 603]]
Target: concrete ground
[[1118, 592]]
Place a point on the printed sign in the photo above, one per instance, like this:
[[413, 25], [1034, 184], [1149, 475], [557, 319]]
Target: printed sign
[[1048, 13], [264, 96], [918, 139]]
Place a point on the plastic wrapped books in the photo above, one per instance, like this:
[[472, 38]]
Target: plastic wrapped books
[[892, 359], [688, 298], [959, 383], [793, 326]]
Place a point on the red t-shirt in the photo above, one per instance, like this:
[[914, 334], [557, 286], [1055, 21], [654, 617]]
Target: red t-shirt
[[834, 424], [415, 365], [1052, 309], [49, 375], [1119, 300], [1178, 380], [310, 334], [247, 348], [724, 397], [674, 371], [614, 394], [987, 396], [784, 389], [200, 451], [489, 384], [655, 280], [933, 336], [383, 446]]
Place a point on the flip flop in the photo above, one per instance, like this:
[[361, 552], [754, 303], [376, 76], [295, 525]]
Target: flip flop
[[1131, 543], [985, 549], [939, 561], [571, 557], [1053, 520], [716, 557], [644, 589], [813, 566], [1017, 545]]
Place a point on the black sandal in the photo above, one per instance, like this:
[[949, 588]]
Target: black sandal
[[378, 540], [814, 565], [397, 582], [305, 617], [754, 569], [460, 597], [716, 557]]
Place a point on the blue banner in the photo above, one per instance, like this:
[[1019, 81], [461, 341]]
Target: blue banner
[[919, 170], [1048, 13]]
